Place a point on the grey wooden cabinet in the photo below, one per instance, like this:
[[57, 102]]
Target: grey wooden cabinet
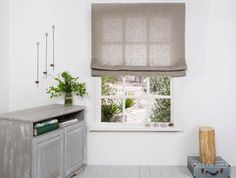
[[74, 149], [48, 155], [56, 154]]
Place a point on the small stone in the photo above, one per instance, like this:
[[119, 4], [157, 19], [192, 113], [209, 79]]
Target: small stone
[[155, 125], [164, 125]]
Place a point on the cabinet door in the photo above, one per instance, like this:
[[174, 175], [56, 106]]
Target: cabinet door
[[47, 155], [74, 147]]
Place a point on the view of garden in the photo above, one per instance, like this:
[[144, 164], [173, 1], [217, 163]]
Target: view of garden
[[135, 99]]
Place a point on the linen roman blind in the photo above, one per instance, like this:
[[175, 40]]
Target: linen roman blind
[[138, 39]]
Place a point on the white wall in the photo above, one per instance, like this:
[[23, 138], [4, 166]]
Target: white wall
[[4, 55], [208, 96]]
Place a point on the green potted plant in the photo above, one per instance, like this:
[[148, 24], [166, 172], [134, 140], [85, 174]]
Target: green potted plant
[[67, 86], [111, 109]]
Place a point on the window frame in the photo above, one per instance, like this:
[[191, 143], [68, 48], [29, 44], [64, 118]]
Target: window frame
[[145, 96], [99, 126]]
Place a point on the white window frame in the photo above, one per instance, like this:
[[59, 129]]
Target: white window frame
[[100, 126]]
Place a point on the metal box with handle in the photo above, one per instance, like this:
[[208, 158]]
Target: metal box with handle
[[221, 169]]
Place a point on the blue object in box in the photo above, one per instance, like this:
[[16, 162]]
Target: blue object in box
[[221, 169]]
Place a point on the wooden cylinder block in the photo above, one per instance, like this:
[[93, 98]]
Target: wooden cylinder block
[[207, 145]]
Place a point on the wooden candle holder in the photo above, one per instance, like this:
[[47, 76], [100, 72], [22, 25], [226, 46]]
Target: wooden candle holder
[[207, 145]]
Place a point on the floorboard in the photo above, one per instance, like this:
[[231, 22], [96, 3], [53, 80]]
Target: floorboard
[[155, 171], [139, 172], [145, 172]]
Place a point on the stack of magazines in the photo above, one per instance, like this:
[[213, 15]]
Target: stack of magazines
[[68, 122], [46, 126]]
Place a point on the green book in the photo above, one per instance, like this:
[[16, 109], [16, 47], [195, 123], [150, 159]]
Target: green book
[[42, 124], [45, 129]]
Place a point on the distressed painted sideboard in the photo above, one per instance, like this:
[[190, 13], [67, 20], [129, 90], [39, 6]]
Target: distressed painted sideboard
[[55, 154]]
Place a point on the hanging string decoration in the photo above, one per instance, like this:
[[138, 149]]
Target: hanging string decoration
[[53, 48], [37, 80], [45, 70], [46, 55]]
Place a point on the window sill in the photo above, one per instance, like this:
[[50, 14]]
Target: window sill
[[134, 129]]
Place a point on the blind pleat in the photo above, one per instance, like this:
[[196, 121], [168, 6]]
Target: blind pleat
[[138, 39]]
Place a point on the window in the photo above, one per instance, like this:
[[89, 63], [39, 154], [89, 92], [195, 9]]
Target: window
[[136, 99], [129, 42]]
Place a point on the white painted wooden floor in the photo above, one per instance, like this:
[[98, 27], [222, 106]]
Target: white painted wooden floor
[[139, 172]]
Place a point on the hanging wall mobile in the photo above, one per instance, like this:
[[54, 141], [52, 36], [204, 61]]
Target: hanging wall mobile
[[45, 71]]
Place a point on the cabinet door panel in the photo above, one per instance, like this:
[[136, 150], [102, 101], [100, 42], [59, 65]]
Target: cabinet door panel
[[48, 154], [74, 148]]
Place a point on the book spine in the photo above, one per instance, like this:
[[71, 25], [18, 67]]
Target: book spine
[[45, 129]]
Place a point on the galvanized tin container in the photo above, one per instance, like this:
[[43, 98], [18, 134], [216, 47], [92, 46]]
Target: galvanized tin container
[[221, 169]]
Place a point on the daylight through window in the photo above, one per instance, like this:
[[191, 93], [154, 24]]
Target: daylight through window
[[135, 99]]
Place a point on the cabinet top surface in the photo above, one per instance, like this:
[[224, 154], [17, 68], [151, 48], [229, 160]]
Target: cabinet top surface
[[41, 113]]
